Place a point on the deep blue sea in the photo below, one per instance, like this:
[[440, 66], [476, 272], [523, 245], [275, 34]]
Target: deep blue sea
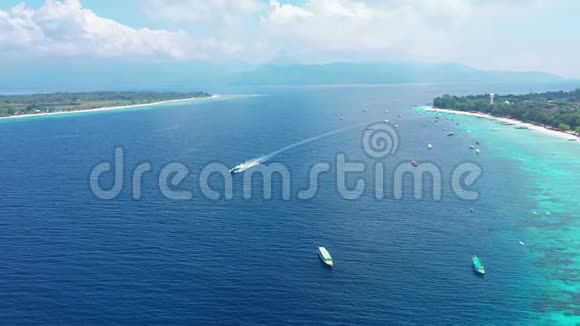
[[68, 257]]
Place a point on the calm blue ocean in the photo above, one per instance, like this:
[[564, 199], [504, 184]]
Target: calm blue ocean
[[68, 257]]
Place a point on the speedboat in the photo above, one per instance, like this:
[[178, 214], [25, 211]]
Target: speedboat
[[325, 256], [236, 169], [478, 265]]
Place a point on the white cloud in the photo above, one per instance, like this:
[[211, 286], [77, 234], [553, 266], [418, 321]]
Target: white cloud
[[66, 28], [285, 13]]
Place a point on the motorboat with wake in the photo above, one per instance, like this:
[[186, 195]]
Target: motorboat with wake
[[244, 166]]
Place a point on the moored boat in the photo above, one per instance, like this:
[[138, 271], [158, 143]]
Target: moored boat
[[325, 256], [478, 265]]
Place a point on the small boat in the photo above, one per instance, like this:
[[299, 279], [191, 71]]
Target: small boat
[[477, 142], [471, 147], [429, 146], [325, 256], [478, 265], [396, 126], [236, 169], [451, 134], [364, 110], [414, 163], [477, 151], [522, 127], [387, 121], [341, 118], [572, 139]]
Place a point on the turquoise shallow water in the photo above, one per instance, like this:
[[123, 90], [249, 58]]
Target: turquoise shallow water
[[547, 215], [70, 258]]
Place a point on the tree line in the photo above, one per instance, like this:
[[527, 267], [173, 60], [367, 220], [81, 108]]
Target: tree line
[[55, 102], [554, 109]]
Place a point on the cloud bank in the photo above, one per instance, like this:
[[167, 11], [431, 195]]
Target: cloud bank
[[486, 34]]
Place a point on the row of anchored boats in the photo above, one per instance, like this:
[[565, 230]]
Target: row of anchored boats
[[476, 262]]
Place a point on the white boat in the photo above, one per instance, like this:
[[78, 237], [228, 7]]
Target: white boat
[[325, 256], [477, 151], [429, 146]]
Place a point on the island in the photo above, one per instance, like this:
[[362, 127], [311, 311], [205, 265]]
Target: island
[[559, 111], [53, 103]]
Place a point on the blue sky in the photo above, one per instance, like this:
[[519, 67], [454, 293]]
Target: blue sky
[[530, 35]]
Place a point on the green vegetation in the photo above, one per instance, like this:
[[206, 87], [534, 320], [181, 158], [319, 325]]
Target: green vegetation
[[61, 102], [561, 110]]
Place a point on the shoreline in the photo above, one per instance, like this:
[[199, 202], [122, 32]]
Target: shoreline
[[516, 123], [108, 108]]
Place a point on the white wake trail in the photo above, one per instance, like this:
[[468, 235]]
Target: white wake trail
[[251, 163]]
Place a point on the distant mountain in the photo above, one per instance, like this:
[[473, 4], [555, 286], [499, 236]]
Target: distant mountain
[[93, 74], [379, 73]]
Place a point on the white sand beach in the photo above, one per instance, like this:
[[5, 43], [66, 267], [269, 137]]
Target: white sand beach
[[516, 123], [109, 108]]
